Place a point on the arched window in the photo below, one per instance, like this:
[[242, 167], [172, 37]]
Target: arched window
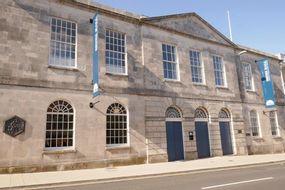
[[273, 123], [200, 114], [59, 125], [254, 123], [117, 125], [224, 114], [172, 112]]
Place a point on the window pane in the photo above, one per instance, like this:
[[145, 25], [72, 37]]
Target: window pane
[[169, 62], [116, 121], [273, 123], [63, 35], [59, 119], [247, 75], [254, 123], [218, 70], [115, 52], [196, 67]]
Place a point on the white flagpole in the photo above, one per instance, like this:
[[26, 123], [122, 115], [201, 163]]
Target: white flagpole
[[230, 27]]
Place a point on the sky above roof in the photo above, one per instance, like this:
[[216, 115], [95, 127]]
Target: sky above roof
[[257, 24]]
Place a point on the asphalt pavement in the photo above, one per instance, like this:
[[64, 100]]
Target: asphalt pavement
[[44, 180], [269, 177]]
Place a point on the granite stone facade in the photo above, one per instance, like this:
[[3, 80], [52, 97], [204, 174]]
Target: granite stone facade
[[29, 84]]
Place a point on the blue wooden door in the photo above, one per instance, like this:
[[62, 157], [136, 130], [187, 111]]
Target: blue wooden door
[[174, 137], [202, 139], [226, 138]]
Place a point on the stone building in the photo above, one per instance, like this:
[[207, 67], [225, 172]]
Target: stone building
[[171, 88]]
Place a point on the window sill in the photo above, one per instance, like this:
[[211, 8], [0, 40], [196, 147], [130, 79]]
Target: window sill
[[258, 139], [113, 147], [117, 74], [63, 68], [251, 91], [222, 87], [199, 84], [172, 80], [59, 151], [277, 138]]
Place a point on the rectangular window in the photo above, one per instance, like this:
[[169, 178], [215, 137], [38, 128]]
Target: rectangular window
[[62, 43], [247, 75], [283, 76], [254, 123], [169, 62], [273, 123], [219, 71], [196, 67], [115, 54]]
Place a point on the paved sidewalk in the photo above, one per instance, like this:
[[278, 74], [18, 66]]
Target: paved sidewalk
[[103, 174]]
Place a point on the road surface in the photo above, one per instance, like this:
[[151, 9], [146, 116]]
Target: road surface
[[269, 177]]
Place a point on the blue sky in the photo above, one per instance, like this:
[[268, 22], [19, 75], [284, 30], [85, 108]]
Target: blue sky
[[258, 24]]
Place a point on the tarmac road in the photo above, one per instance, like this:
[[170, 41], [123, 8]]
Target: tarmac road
[[268, 177]]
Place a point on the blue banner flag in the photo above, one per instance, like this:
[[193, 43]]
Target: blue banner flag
[[95, 81], [267, 83]]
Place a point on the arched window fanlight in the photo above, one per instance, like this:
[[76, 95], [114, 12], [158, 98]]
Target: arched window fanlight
[[200, 113], [172, 112], [224, 114], [116, 108]]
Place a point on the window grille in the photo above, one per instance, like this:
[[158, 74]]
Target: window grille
[[247, 74], [169, 62], [62, 43], [223, 114], [196, 67], [219, 71], [273, 123], [59, 125], [254, 123], [115, 54], [172, 112], [200, 113], [117, 125]]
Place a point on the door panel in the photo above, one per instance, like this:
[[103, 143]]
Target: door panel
[[202, 139], [174, 136], [226, 138]]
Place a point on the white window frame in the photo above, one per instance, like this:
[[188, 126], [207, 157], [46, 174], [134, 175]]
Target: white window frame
[[50, 39], [51, 148], [113, 51], [257, 123], [202, 67], [122, 145], [176, 62], [282, 77], [276, 123], [223, 71], [244, 77]]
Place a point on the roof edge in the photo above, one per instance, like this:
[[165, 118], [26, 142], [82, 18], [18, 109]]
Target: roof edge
[[262, 53], [167, 16], [157, 18]]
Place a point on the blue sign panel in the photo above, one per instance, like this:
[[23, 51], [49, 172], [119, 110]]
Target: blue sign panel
[[95, 81], [267, 83]]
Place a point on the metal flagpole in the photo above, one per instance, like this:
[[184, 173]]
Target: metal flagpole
[[230, 27]]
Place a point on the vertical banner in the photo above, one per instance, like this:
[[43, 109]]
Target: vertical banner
[[267, 83], [95, 81]]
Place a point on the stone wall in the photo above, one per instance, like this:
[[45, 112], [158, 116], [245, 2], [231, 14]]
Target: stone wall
[[253, 100], [28, 149], [28, 84], [156, 130]]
